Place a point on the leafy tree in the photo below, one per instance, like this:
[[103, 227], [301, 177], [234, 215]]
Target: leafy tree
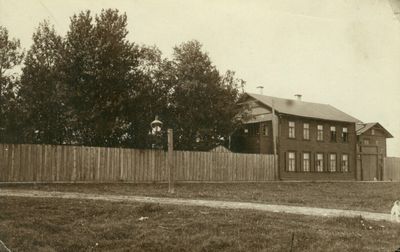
[[99, 68], [42, 93], [204, 101], [10, 57]]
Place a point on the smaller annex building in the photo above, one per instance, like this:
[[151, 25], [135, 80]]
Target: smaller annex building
[[371, 150], [313, 141]]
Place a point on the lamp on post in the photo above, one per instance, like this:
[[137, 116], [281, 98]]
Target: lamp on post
[[156, 131]]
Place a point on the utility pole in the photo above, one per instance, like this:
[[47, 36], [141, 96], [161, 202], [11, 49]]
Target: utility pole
[[171, 172], [274, 134]]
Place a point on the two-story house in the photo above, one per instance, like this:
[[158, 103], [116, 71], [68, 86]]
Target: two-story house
[[313, 141]]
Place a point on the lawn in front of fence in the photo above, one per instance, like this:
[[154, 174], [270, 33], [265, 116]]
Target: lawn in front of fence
[[365, 196], [32, 224]]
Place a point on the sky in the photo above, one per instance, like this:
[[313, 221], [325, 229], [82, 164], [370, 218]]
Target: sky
[[342, 52]]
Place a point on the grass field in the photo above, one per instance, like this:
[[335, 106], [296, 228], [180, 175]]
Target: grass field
[[375, 197], [28, 224]]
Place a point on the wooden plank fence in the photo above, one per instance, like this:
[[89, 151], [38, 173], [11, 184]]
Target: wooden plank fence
[[391, 169], [51, 163]]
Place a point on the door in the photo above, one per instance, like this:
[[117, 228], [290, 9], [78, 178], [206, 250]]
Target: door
[[369, 166]]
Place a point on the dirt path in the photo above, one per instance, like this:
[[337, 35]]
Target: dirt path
[[206, 203]]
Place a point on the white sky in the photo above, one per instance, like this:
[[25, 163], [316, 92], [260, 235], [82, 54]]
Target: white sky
[[342, 52]]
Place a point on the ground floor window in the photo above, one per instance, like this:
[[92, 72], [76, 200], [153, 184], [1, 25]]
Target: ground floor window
[[291, 161], [332, 162], [306, 161], [345, 163], [335, 162], [319, 162]]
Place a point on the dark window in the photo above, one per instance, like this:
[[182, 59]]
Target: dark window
[[292, 127], [332, 162], [264, 129], [345, 135], [319, 162], [306, 131], [306, 161], [320, 133], [291, 161], [333, 133], [345, 163]]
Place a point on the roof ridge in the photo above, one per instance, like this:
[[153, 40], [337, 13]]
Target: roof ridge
[[281, 98], [304, 108]]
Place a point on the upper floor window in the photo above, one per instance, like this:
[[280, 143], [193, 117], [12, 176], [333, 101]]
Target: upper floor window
[[366, 141], [292, 130], [345, 163], [320, 133], [252, 129], [306, 161], [306, 131], [319, 162], [333, 133], [345, 135], [332, 162], [372, 132], [265, 130], [291, 161]]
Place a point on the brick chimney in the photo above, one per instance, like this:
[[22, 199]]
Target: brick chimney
[[260, 89]]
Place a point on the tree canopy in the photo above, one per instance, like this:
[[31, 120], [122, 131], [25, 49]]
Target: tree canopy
[[42, 94], [204, 101], [11, 56], [95, 87]]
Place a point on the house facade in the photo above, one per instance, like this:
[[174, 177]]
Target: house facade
[[371, 150], [313, 141], [372, 135]]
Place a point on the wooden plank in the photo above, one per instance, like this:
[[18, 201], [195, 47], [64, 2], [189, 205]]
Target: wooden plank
[[186, 163], [3, 167], [17, 161], [4, 163], [130, 165], [189, 165], [140, 165], [135, 164]]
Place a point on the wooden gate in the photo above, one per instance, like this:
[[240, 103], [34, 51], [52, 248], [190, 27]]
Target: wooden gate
[[370, 162]]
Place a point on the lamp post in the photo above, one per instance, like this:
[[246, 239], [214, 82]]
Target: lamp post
[[156, 131]]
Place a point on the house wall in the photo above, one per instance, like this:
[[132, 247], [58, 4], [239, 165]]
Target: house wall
[[259, 143], [375, 149], [378, 140], [326, 147]]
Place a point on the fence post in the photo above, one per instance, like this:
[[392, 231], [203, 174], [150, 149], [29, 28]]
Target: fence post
[[171, 174]]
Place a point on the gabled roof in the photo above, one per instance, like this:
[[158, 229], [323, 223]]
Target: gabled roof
[[304, 109], [363, 127]]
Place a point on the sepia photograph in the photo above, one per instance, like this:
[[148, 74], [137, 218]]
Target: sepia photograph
[[199, 125]]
